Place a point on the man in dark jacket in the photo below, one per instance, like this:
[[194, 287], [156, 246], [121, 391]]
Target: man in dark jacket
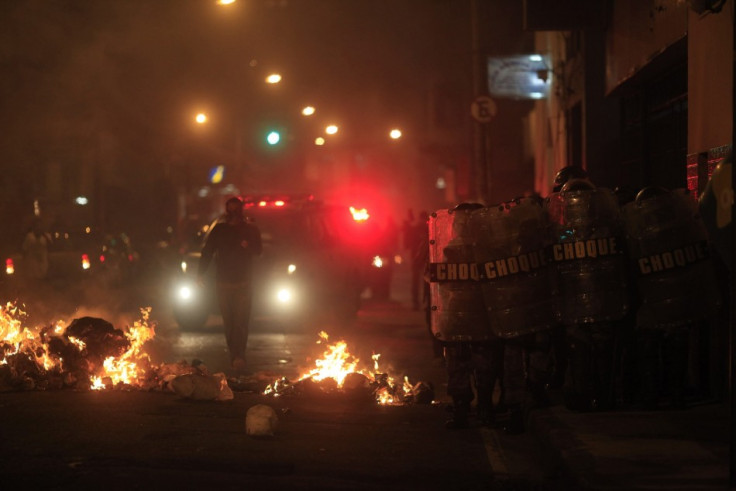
[[233, 243]]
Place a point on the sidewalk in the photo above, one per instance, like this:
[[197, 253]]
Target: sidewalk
[[626, 450], [673, 450]]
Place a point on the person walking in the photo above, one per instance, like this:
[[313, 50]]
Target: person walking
[[233, 244], [416, 240]]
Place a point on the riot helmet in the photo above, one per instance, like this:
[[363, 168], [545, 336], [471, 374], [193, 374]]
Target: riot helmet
[[467, 207], [565, 174], [577, 185], [650, 192]]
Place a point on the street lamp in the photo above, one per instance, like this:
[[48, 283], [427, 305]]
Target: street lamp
[[331, 129], [273, 78], [395, 134], [308, 110], [200, 118]]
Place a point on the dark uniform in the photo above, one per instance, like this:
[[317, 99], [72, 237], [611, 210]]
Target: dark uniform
[[510, 243], [676, 287], [233, 243], [588, 254]]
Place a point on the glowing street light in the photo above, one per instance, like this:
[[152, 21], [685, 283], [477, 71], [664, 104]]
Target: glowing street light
[[273, 78], [308, 110], [331, 129], [395, 134], [273, 137], [319, 141], [201, 118], [225, 2]]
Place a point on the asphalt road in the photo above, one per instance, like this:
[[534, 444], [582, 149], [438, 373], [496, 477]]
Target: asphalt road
[[148, 440]]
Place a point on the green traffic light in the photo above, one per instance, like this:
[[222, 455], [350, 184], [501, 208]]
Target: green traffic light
[[273, 137]]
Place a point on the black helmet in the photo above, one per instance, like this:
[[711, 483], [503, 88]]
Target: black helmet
[[577, 185], [650, 192], [565, 174], [468, 206]]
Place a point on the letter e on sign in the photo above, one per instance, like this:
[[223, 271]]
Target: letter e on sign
[[483, 109]]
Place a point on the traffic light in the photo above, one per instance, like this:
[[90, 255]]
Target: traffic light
[[273, 137]]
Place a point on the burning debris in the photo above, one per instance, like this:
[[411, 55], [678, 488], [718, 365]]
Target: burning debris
[[92, 354], [88, 354], [339, 372]]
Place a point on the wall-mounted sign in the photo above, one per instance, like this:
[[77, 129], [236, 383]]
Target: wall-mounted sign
[[519, 77]]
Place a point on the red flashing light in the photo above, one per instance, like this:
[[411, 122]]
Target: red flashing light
[[359, 215], [9, 266], [102, 258]]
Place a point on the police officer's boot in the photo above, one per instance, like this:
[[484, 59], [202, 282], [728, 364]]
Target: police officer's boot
[[459, 418], [515, 424]]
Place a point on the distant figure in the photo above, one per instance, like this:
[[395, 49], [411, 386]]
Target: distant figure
[[36, 252], [387, 247], [233, 243], [416, 240]]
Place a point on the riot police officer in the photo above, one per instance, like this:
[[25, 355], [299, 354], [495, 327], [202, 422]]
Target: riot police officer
[[510, 242], [458, 316], [588, 257], [676, 287]]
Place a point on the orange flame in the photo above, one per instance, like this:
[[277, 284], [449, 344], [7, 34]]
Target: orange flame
[[33, 343], [337, 363], [126, 368]]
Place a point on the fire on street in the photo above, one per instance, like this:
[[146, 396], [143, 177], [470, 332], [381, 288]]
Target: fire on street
[[139, 434]]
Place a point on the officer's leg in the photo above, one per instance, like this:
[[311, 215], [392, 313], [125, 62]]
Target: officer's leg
[[459, 387], [648, 344], [538, 347], [487, 360], [675, 358], [578, 390], [514, 382], [603, 359]]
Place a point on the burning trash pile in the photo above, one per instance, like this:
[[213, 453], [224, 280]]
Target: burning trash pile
[[91, 354], [339, 373]]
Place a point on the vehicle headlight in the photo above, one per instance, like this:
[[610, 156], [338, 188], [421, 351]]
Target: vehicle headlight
[[284, 295], [185, 293], [377, 262]]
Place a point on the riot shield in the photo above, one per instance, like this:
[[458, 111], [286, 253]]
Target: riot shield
[[510, 243], [457, 311], [675, 276], [588, 255]]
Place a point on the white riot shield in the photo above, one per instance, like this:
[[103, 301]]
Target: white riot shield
[[510, 247], [675, 276], [588, 256], [458, 313]]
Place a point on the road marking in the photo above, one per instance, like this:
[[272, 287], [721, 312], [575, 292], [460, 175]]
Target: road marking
[[496, 456]]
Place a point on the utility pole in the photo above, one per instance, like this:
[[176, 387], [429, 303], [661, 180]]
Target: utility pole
[[732, 274], [480, 109]]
